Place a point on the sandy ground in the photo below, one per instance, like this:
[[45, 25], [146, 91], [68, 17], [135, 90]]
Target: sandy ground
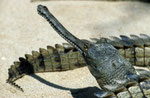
[[23, 30]]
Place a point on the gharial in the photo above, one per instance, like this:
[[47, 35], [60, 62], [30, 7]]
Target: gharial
[[113, 73]]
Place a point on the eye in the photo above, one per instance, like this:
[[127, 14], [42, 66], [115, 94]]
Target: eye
[[85, 47]]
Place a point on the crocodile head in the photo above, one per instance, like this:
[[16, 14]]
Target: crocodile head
[[111, 70], [81, 46]]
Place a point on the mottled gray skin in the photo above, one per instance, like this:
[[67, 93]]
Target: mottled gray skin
[[108, 66], [66, 57], [112, 72]]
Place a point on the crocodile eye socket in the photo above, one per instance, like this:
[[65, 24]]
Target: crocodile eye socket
[[85, 47], [113, 64]]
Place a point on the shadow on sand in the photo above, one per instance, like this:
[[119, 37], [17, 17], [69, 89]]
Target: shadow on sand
[[87, 92]]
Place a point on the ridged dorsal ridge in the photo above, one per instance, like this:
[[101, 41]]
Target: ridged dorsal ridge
[[126, 41]]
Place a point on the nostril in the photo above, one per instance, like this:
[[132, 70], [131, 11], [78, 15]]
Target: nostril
[[40, 6], [85, 47]]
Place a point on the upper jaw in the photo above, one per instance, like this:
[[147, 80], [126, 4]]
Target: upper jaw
[[60, 29]]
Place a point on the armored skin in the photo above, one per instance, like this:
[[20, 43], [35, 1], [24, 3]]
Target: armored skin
[[113, 73]]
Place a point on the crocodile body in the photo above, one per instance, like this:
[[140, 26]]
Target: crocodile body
[[66, 57], [113, 73]]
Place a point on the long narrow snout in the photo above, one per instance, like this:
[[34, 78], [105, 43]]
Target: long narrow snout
[[60, 29]]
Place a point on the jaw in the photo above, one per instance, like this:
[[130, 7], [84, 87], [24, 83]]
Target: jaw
[[60, 29]]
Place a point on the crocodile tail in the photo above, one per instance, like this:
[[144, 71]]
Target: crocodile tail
[[136, 49], [60, 58]]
